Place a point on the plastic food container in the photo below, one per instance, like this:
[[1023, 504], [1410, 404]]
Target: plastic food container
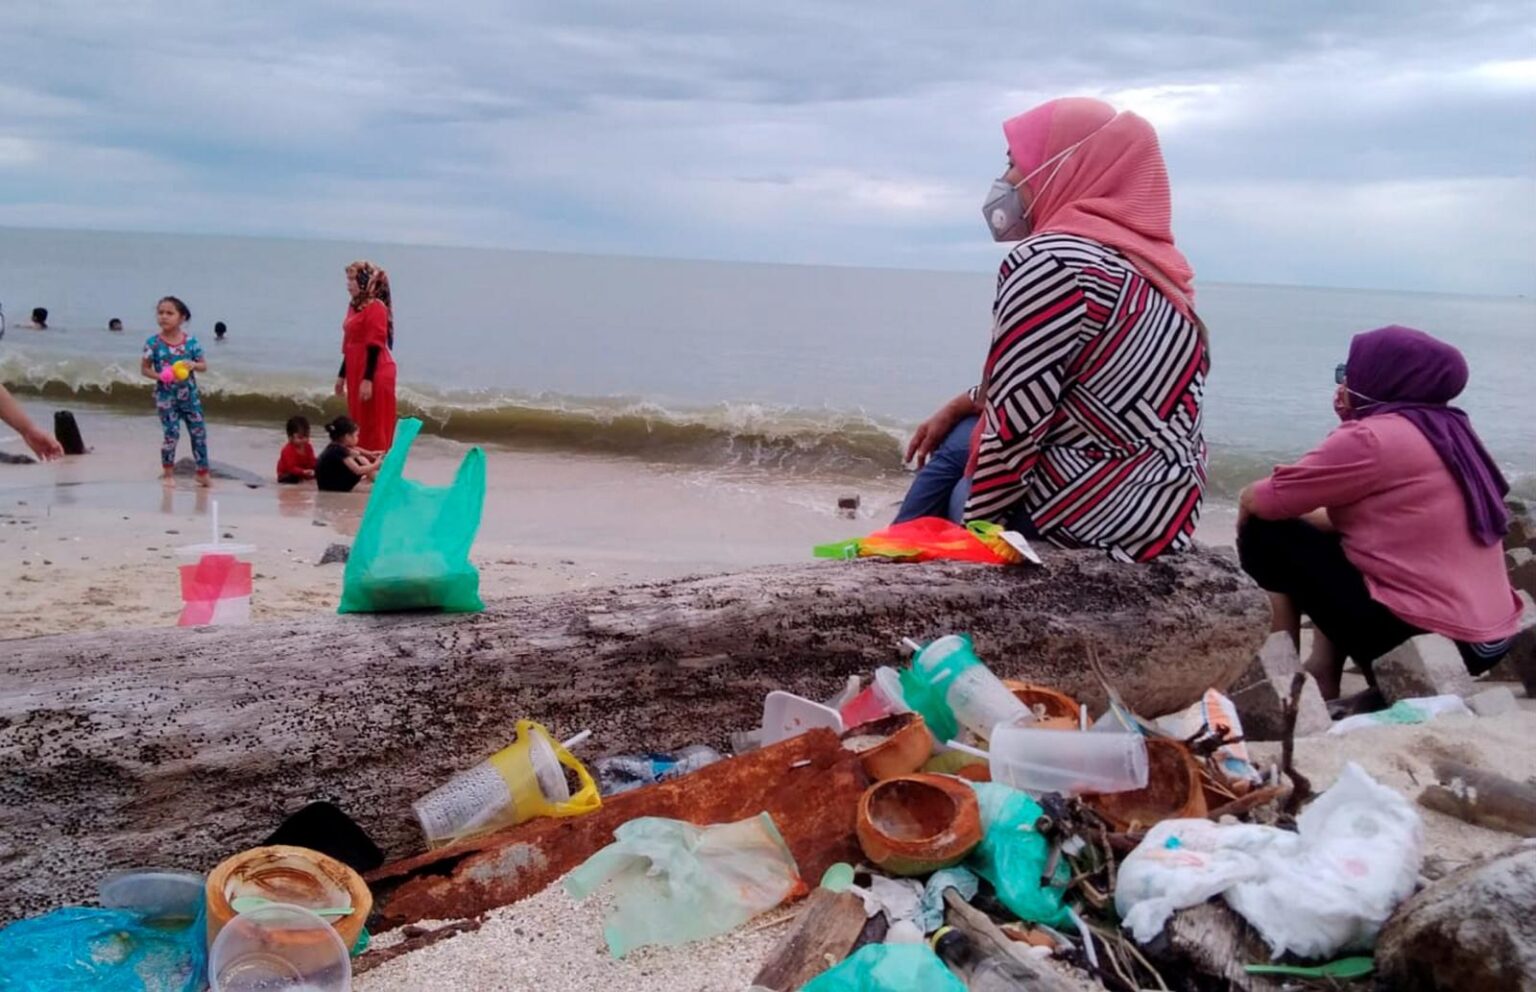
[[161, 894], [880, 699], [279, 948], [1069, 762]]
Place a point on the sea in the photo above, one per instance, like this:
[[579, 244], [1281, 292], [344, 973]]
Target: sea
[[809, 370]]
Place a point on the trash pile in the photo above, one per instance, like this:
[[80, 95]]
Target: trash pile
[[935, 827]]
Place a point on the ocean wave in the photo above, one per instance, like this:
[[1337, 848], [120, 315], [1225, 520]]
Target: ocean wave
[[799, 441]]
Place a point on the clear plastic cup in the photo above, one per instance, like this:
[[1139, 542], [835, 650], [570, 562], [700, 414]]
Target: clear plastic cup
[[161, 894], [882, 698], [279, 948], [1069, 762]]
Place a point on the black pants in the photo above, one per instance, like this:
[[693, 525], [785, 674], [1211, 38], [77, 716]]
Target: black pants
[[1294, 558]]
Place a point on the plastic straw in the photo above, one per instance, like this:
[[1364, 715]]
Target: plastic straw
[[1082, 716], [974, 752], [911, 645], [215, 514], [574, 741]]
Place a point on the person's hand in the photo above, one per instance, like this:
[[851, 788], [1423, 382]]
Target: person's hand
[[365, 391], [341, 386], [43, 444], [932, 432]]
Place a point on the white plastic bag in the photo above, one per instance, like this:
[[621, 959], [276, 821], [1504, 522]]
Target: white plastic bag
[[1217, 714], [1329, 887], [1421, 709]]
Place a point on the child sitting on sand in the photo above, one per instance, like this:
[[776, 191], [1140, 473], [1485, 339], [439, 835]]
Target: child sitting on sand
[[171, 359], [343, 464], [297, 461]]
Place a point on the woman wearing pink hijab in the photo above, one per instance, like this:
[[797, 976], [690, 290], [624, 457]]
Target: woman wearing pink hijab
[[1085, 428]]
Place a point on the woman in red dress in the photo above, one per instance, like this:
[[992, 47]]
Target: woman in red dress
[[367, 374]]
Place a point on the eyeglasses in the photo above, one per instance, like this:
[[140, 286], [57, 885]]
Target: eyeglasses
[[1338, 373]]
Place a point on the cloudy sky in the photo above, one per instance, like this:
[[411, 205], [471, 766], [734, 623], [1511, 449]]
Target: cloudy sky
[[1378, 143]]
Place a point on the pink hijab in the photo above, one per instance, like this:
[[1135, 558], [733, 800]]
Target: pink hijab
[[1113, 188]]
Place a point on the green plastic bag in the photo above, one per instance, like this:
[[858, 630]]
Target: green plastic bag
[[674, 882], [887, 968], [412, 548], [1012, 855]]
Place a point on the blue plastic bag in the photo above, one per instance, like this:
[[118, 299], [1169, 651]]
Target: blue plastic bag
[[887, 968], [412, 548], [79, 949]]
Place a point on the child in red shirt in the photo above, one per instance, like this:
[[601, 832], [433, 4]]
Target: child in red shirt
[[297, 462]]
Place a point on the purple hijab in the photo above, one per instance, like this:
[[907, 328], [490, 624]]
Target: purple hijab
[[1400, 370]]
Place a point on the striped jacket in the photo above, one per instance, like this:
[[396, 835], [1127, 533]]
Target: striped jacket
[[1094, 385]]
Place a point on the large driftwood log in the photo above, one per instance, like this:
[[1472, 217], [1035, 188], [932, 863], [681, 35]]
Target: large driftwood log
[[179, 747]]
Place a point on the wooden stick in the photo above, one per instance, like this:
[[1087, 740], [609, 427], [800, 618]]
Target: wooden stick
[[1481, 797], [824, 934], [1301, 788], [979, 927]]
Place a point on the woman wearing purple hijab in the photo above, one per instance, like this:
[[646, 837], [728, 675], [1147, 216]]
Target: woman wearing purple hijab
[[1394, 525]]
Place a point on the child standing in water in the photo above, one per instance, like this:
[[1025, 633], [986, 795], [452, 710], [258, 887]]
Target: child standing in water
[[172, 358]]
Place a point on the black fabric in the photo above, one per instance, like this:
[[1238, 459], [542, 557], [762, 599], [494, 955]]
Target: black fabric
[[331, 472], [1296, 559], [368, 369]]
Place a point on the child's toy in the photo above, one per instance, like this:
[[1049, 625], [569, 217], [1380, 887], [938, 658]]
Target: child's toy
[[182, 370], [168, 375]]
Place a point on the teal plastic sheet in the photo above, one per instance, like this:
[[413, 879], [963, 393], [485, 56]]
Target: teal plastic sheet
[[78, 949], [412, 548], [888, 968], [1012, 855]]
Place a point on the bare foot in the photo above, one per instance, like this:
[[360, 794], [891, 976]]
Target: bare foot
[[168, 477], [203, 479]]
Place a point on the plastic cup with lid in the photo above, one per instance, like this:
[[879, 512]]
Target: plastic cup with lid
[[279, 948]]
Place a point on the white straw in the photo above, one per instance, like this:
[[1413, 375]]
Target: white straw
[[974, 752], [215, 504], [576, 740], [911, 645], [1082, 929], [1083, 714]]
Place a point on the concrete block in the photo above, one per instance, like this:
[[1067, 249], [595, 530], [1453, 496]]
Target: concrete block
[[1493, 702], [1427, 665], [1515, 557], [1523, 575], [1261, 692]]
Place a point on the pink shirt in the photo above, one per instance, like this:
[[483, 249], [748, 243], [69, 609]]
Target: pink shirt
[[1404, 525]]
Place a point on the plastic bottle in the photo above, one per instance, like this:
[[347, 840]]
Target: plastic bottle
[[623, 772], [983, 972], [950, 686]]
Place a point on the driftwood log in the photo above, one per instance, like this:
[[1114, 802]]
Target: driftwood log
[[180, 747]]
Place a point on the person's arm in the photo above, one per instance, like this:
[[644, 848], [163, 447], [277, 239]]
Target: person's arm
[[195, 356], [932, 432], [1036, 319], [1346, 467], [375, 332], [43, 444], [147, 366]]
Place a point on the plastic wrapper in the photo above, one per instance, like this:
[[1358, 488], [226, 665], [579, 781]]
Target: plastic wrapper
[[412, 547], [1012, 855], [674, 882], [1328, 887], [887, 968], [78, 949], [1216, 713]]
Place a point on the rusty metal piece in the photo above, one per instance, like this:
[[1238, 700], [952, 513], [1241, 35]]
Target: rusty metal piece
[[907, 745], [809, 784], [1172, 791], [917, 824]]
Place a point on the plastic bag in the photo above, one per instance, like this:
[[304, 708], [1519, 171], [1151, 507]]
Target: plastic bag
[[79, 949], [1420, 709], [1328, 887], [1217, 715], [927, 539], [412, 548], [1012, 855], [887, 968], [675, 882]]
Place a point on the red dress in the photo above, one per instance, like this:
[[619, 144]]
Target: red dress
[[375, 417]]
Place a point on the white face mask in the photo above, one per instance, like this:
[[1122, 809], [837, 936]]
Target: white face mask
[[1004, 210]]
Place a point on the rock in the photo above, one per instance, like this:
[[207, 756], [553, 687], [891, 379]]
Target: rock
[[1427, 665], [1519, 534], [1473, 929], [335, 553], [6, 458], [1515, 557], [1519, 665], [1493, 702], [221, 470], [1261, 692], [1207, 945], [1523, 575]]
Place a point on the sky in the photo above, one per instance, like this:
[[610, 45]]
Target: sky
[[1371, 144]]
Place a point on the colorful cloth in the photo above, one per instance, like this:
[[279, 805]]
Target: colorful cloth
[[1093, 404], [362, 329], [928, 539], [1112, 187], [178, 401]]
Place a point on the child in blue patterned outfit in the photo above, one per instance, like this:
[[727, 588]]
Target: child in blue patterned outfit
[[176, 396]]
